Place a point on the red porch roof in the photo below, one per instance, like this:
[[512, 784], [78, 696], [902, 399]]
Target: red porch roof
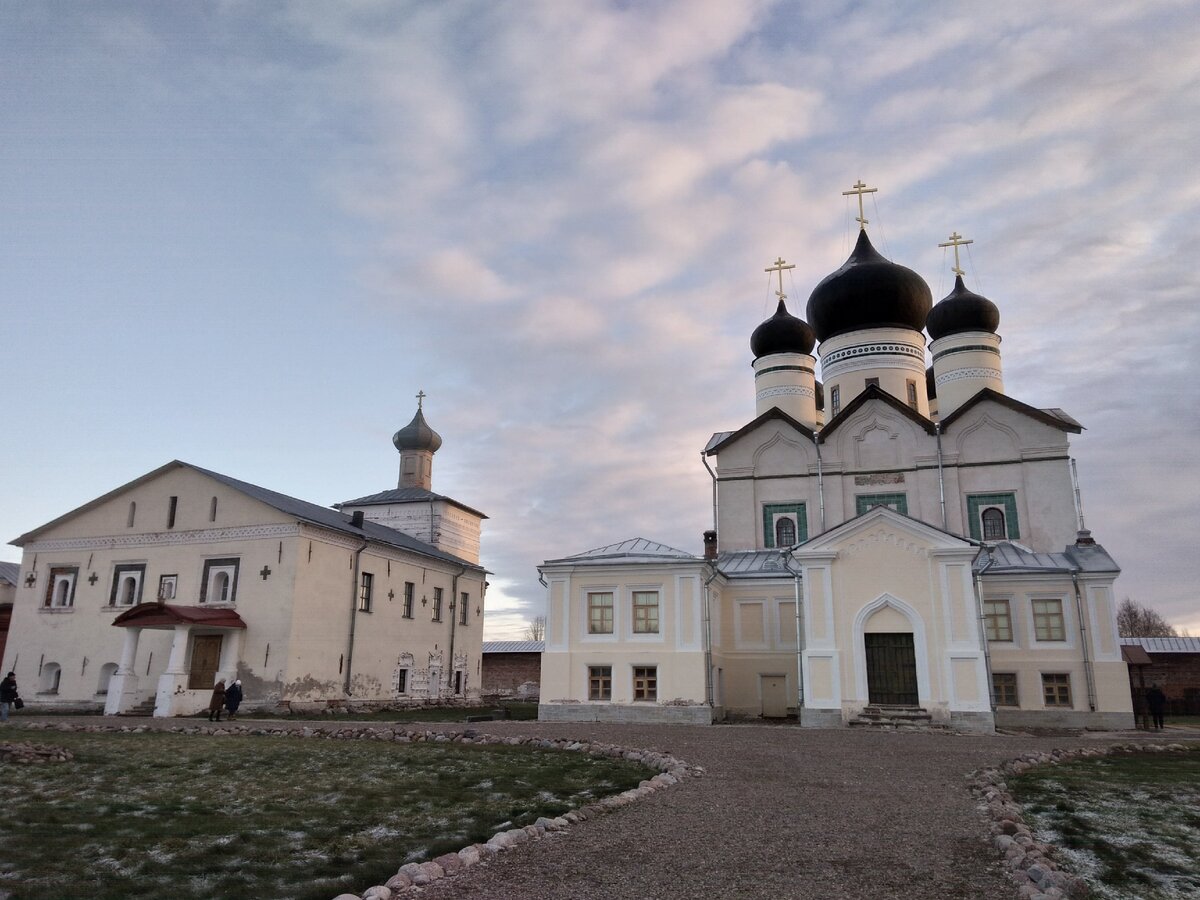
[[165, 615]]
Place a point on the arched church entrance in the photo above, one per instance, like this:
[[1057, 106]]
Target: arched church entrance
[[891, 668]]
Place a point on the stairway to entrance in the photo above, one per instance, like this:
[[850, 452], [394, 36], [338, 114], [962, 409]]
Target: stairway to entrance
[[145, 709], [895, 718]]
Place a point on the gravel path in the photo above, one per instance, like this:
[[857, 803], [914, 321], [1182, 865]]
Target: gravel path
[[781, 812]]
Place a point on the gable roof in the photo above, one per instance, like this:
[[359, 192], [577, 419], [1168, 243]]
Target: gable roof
[[1053, 417], [885, 512], [405, 495], [722, 439], [9, 572], [875, 392], [1164, 644], [634, 550], [514, 646], [1012, 558], [301, 510], [167, 615]]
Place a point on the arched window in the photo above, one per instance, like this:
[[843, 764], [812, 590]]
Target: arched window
[[128, 591], [785, 532], [62, 592], [221, 588], [51, 675], [107, 671], [993, 524]]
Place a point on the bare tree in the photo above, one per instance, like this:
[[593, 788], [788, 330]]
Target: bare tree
[[536, 629], [1135, 620]]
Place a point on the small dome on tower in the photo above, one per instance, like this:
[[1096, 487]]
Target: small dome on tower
[[417, 435], [962, 310], [868, 291], [782, 333]]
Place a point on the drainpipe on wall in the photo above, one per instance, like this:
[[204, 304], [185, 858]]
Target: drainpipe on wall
[[820, 481], [455, 612], [713, 475], [788, 558], [937, 430], [1078, 496], [357, 522], [1088, 675], [983, 638], [710, 558]]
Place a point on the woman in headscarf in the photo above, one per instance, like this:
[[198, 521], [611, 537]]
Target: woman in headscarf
[[217, 701], [233, 697]]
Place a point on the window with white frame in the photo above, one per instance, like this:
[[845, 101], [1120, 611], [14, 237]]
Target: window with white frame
[[1048, 624], [437, 604], [220, 580], [410, 590], [127, 585], [50, 678], [997, 619], [402, 681], [600, 612], [365, 591], [60, 587], [645, 612], [167, 586], [464, 608]]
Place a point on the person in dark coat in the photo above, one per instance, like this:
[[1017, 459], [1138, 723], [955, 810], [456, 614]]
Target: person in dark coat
[[8, 694], [233, 698], [1156, 702], [217, 702]]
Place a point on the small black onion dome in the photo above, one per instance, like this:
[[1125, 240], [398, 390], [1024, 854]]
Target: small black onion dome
[[820, 395], [930, 384], [868, 291], [962, 310], [782, 333], [417, 435]]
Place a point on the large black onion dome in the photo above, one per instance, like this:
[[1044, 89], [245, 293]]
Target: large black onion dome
[[868, 291], [962, 310], [417, 435], [930, 384], [782, 333]]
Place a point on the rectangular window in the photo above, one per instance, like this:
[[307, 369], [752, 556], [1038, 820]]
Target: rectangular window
[[873, 381], [364, 592], [1048, 620], [898, 502], [402, 681], [912, 392], [835, 399], [645, 683], [60, 587], [167, 585], [437, 604], [464, 607], [600, 613], [126, 585], [212, 510], [993, 514], [220, 581], [1056, 690], [458, 682], [997, 620], [1004, 688], [645, 612], [599, 682], [172, 507], [409, 590]]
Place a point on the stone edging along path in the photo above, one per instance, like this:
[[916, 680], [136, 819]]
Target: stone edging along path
[[670, 771], [1031, 863]]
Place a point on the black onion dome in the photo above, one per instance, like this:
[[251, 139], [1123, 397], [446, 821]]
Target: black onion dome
[[782, 333], [417, 435], [930, 384], [868, 291], [962, 310]]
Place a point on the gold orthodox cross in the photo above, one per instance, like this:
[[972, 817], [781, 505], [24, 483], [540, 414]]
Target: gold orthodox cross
[[860, 189], [420, 398], [779, 266], [956, 240]]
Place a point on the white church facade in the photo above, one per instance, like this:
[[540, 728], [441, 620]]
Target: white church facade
[[894, 543], [143, 598]]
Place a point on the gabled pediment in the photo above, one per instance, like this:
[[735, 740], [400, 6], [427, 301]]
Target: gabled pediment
[[1055, 418], [725, 439], [886, 521], [874, 393]]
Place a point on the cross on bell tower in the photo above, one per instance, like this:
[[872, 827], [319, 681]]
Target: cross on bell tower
[[956, 240], [779, 267], [860, 189]]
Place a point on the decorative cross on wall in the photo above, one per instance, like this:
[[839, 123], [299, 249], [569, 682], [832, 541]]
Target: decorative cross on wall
[[391, 595], [265, 573], [30, 580], [424, 601], [93, 578]]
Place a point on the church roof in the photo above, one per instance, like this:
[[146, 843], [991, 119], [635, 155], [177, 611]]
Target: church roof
[[405, 495], [1053, 416], [166, 615], [753, 564], [1011, 558], [634, 550], [875, 392], [723, 438], [290, 506]]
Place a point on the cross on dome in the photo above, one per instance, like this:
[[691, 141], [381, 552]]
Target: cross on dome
[[779, 267], [860, 189], [956, 240], [420, 398]]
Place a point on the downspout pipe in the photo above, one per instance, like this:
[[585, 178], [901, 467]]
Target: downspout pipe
[[708, 663], [353, 607], [787, 558], [820, 480], [1078, 496], [1088, 675], [983, 638], [455, 612], [937, 430], [713, 475]]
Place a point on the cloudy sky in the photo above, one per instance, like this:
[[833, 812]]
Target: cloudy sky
[[246, 234]]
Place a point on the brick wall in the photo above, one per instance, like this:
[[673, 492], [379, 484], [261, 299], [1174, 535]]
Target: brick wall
[[504, 673], [1178, 674]]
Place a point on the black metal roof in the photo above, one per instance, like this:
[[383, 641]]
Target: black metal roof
[[962, 310], [782, 333], [405, 495]]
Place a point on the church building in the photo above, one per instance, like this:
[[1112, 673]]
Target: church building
[[144, 598], [899, 543]]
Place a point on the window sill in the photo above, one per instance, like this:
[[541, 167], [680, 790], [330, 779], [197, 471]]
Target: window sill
[[56, 610]]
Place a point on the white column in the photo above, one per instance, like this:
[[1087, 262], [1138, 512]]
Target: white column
[[179, 650], [231, 652], [122, 687], [129, 651], [172, 697]]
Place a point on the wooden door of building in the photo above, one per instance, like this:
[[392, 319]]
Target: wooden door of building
[[206, 657], [774, 697], [891, 669]]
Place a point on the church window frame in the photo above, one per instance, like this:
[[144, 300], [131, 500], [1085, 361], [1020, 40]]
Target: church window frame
[[168, 586], [49, 678], [1049, 619], [402, 681], [172, 509], [645, 612], [212, 509], [785, 531], [835, 399], [410, 591], [601, 609], [994, 528], [796, 510], [60, 588], [600, 682], [127, 582], [1004, 689], [1056, 690], [645, 684], [132, 514], [464, 608], [911, 387], [220, 581], [864, 503], [1005, 502], [366, 591], [997, 620], [438, 595]]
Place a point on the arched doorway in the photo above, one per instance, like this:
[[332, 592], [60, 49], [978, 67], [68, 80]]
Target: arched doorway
[[891, 668]]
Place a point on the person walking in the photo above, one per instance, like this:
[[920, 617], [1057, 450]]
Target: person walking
[[1156, 701], [8, 694], [217, 702], [233, 697]]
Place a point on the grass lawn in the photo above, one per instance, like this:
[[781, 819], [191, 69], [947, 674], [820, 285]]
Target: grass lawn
[[1128, 824], [156, 814], [515, 711]]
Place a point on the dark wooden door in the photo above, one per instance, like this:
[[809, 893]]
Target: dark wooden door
[[891, 669], [206, 656]]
